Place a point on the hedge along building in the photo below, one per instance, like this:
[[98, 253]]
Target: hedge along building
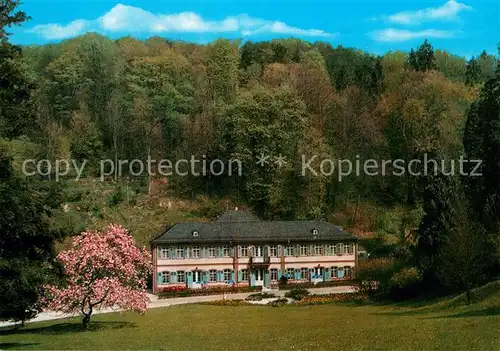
[[238, 249]]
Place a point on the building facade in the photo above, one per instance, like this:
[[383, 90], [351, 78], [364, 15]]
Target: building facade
[[238, 249]]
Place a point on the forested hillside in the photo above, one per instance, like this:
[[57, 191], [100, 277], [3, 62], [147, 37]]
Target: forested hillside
[[96, 98]]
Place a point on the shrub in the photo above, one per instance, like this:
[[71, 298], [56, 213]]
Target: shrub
[[117, 197], [405, 284], [283, 280], [259, 296], [297, 293], [279, 302]]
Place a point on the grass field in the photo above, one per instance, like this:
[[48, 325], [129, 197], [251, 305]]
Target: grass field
[[444, 325]]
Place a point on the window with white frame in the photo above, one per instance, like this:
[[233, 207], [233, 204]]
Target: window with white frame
[[304, 273], [212, 275], [290, 272], [347, 249], [181, 276], [318, 250], [274, 274], [347, 271], [195, 252], [244, 275], [165, 277], [164, 253], [303, 250], [340, 249], [289, 250], [179, 252], [227, 274], [225, 251], [334, 272], [273, 251], [211, 252], [333, 249], [244, 251]]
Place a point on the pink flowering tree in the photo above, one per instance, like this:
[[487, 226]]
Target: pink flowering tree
[[102, 269]]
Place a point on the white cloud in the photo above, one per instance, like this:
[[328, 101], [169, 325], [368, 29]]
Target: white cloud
[[447, 12], [57, 31], [398, 35], [130, 19]]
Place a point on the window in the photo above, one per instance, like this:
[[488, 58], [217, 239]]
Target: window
[[211, 252], [212, 276], [347, 271], [347, 249], [165, 277], [340, 249], [181, 277], [273, 251], [244, 251], [179, 252], [318, 250], [227, 274], [304, 273], [290, 272], [333, 249], [244, 275], [289, 250], [195, 252], [303, 250], [334, 272], [225, 251], [164, 253], [274, 274]]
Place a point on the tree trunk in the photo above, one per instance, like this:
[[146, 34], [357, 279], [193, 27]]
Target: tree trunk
[[86, 321]]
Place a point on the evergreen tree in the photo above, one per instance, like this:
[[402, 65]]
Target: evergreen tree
[[473, 72], [423, 59]]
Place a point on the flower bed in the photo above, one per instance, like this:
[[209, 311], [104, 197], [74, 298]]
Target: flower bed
[[176, 291], [307, 285], [228, 302], [259, 296], [332, 298]]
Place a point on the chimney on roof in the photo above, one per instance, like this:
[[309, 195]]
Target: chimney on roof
[[236, 208]]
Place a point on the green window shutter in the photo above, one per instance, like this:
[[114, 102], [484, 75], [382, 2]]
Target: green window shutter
[[233, 278], [279, 274], [173, 277], [240, 276], [285, 249], [297, 251], [186, 252], [160, 278], [327, 250], [297, 273], [220, 276], [171, 252], [219, 252], [311, 250], [231, 251]]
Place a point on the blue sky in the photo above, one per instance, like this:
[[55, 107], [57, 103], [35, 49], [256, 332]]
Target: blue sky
[[462, 27]]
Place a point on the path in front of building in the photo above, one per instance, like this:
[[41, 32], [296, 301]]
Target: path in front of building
[[158, 303]]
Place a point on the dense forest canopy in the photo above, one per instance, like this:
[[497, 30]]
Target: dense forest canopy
[[97, 98]]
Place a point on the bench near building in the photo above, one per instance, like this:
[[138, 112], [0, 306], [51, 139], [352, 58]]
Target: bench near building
[[240, 249]]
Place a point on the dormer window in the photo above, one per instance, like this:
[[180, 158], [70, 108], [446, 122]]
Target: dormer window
[[195, 233], [315, 232]]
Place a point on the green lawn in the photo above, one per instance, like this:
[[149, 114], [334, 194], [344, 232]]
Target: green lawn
[[446, 325]]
